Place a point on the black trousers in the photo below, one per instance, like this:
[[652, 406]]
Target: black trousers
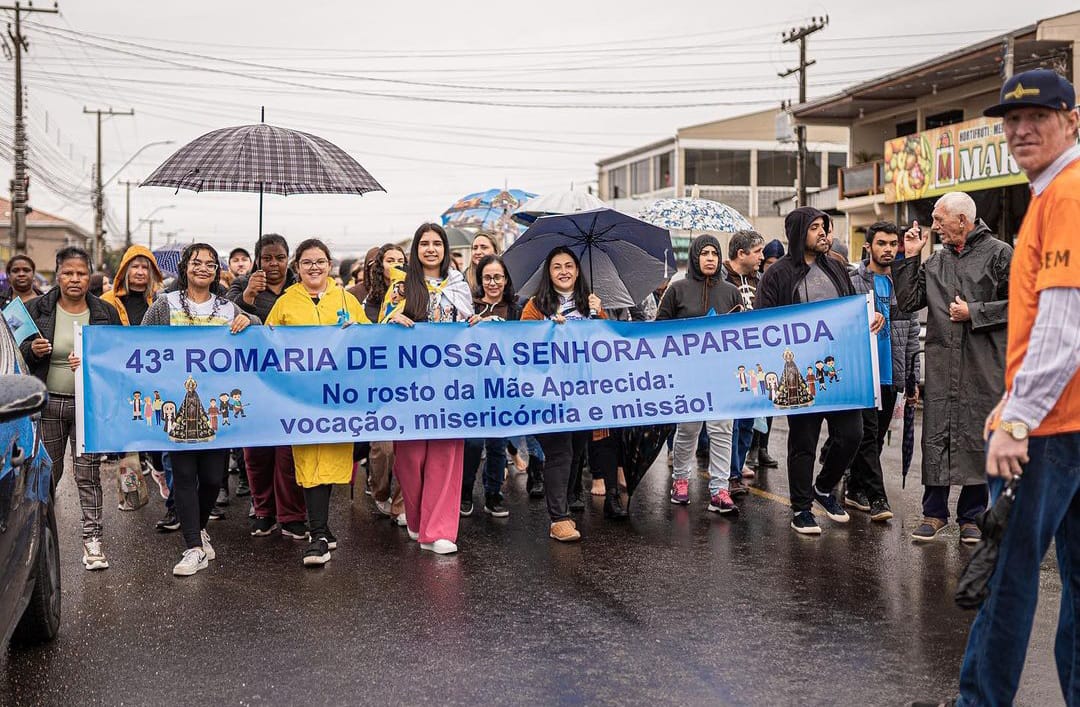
[[563, 452], [197, 478], [845, 433], [604, 459], [866, 473], [317, 499]]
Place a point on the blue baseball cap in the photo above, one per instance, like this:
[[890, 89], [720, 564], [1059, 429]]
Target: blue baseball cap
[[1041, 88]]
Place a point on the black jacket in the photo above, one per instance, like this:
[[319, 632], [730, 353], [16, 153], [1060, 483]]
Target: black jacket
[[43, 311], [780, 283], [264, 301], [695, 295]]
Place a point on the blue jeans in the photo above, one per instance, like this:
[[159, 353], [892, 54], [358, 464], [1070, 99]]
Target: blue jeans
[[494, 465], [742, 435], [1047, 506], [530, 444], [166, 467]]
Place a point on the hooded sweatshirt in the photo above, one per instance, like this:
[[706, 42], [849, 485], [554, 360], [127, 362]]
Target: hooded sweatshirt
[[779, 284], [123, 300], [696, 294]]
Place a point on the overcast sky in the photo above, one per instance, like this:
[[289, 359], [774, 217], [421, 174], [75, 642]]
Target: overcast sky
[[435, 99]]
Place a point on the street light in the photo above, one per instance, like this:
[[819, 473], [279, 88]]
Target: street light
[[148, 219], [127, 187], [131, 159]]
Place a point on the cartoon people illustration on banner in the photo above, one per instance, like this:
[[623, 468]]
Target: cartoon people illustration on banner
[[236, 404], [811, 381], [831, 371], [819, 372], [158, 402], [762, 388], [772, 385], [744, 379], [223, 407], [168, 416], [213, 413], [135, 401]]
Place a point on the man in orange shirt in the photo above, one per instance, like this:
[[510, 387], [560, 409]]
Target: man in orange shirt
[[1036, 427]]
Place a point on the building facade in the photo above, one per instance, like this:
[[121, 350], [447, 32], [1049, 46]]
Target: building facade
[[45, 234]]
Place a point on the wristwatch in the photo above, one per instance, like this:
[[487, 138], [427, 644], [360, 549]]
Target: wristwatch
[[1015, 429]]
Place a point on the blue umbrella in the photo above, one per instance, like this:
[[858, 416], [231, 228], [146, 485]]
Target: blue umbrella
[[623, 258], [489, 210]]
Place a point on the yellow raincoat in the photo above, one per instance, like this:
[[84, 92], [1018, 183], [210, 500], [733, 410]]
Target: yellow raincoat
[[318, 464], [120, 281]]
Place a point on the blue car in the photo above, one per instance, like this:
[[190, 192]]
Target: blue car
[[29, 546]]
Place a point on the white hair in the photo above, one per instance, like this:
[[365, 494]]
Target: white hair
[[958, 203]]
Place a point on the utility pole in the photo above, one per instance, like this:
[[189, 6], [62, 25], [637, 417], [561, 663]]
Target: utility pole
[[18, 184], [799, 35], [127, 211], [99, 196], [151, 221]]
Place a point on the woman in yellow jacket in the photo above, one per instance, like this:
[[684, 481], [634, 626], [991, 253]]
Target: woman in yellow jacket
[[318, 300]]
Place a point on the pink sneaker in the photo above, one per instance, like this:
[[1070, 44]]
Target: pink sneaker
[[721, 503], [163, 488], [680, 491]]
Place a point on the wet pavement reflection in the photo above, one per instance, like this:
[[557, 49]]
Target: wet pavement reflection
[[676, 605]]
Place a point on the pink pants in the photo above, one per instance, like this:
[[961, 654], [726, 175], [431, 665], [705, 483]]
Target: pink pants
[[429, 473]]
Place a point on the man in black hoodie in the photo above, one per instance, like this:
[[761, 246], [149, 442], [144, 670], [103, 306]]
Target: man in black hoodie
[[703, 290], [808, 274]]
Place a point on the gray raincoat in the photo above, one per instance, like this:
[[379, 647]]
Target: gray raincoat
[[964, 361]]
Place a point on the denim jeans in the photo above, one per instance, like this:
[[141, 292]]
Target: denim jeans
[[494, 465], [166, 468], [1047, 507], [742, 434]]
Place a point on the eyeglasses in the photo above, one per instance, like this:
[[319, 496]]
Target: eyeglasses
[[309, 264], [200, 265], [493, 279]]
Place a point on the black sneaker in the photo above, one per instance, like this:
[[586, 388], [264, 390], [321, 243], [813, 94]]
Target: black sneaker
[[223, 497], [317, 553], [295, 529], [832, 508], [857, 499], [880, 511], [169, 523], [466, 507], [331, 541], [217, 513], [804, 522], [493, 506], [577, 504], [242, 488], [261, 527]]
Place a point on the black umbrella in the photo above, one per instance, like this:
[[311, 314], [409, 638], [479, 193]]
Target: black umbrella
[[640, 447], [264, 159], [623, 258], [973, 587]]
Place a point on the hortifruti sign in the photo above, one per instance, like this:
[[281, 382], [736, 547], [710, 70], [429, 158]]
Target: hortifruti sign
[[964, 156]]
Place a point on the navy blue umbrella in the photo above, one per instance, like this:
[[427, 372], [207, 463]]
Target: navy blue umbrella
[[622, 258]]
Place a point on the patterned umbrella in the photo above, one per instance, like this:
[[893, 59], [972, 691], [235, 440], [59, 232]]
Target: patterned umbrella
[[263, 158], [694, 215], [488, 210]]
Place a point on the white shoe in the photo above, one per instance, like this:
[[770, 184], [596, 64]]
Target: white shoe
[[194, 559], [383, 507], [440, 547], [93, 555], [207, 547], [414, 536], [400, 521]]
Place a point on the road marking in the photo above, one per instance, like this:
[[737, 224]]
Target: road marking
[[780, 499]]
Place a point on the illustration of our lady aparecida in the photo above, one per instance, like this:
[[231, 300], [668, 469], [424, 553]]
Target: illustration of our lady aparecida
[[793, 391], [192, 423]]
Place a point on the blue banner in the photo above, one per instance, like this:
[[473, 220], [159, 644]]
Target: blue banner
[[160, 388]]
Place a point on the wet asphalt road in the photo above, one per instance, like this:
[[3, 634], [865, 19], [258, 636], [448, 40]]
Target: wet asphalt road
[[677, 605]]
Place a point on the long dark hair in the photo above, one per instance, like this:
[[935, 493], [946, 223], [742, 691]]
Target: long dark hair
[[416, 291], [375, 278], [547, 298], [508, 295], [185, 258]]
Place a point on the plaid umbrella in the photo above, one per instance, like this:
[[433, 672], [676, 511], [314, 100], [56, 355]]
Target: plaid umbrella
[[263, 158]]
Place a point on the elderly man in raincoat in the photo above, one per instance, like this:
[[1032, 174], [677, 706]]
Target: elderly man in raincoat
[[965, 289]]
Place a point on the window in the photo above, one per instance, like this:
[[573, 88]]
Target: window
[[778, 169], [837, 161], [662, 170], [718, 167], [639, 178], [948, 117], [618, 183], [908, 127]]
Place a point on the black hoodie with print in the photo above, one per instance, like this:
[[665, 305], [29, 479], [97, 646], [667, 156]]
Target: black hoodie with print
[[696, 294], [780, 283]]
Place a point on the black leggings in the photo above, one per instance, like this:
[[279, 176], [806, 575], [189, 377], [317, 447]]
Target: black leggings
[[317, 499], [197, 478]]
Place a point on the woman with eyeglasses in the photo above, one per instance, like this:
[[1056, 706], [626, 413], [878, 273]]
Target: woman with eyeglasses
[[317, 299], [197, 474], [562, 296], [494, 301], [429, 471], [51, 357]]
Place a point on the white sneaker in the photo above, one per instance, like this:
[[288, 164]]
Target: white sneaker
[[400, 521], [93, 555], [194, 559], [206, 546], [440, 547], [383, 507], [414, 536]]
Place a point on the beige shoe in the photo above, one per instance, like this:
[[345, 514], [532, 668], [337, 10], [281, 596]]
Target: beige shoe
[[564, 531]]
